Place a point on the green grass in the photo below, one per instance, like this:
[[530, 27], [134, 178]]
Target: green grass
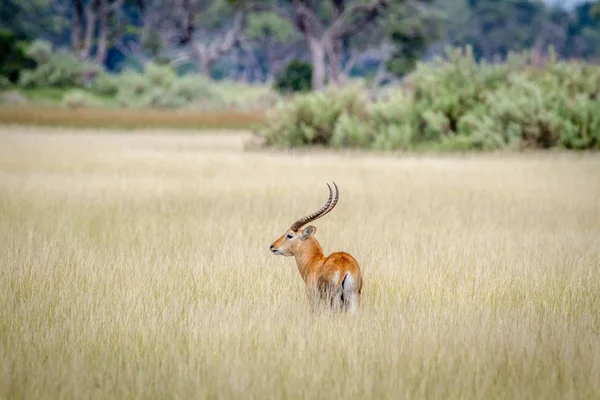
[[138, 266]]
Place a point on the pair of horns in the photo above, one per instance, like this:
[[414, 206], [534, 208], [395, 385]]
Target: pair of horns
[[329, 205]]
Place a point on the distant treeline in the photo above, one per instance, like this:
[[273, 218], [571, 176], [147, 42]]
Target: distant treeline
[[254, 41]]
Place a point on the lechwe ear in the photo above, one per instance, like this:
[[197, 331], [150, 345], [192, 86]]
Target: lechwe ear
[[308, 232]]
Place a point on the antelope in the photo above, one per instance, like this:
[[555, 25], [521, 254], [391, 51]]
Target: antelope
[[335, 280]]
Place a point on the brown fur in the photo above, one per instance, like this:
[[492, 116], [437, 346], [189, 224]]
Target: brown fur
[[322, 275]]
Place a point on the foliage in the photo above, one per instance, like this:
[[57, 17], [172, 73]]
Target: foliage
[[59, 68], [396, 34], [106, 84], [296, 77], [159, 87], [77, 98], [268, 25], [12, 57], [40, 51], [311, 119], [496, 28], [160, 75], [411, 30], [29, 19], [454, 103], [155, 87]]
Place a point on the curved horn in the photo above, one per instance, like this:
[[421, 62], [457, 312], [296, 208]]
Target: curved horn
[[327, 207]]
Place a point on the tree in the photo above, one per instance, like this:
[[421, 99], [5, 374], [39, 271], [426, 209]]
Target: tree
[[494, 28], [210, 28], [91, 26], [27, 20], [12, 57], [583, 32], [325, 25], [411, 27], [274, 41], [296, 77]]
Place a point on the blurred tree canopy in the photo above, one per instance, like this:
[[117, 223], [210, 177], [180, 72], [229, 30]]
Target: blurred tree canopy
[[494, 28], [255, 40], [12, 56]]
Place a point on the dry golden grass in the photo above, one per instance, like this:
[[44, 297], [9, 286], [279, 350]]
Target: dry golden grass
[[137, 266], [129, 118]]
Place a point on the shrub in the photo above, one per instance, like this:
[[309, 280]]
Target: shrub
[[160, 75], [158, 97], [57, 69], [195, 88], [106, 84], [159, 87], [40, 51], [297, 77], [342, 118], [310, 119], [454, 103], [133, 86], [77, 98], [62, 70]]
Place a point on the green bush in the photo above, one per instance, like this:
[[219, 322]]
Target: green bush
[[61, 70], [156, 86], [159, 87], [106, 84], [454, 104], [77, 98], [195, 88], [40, 51], [133, 87], [310, 119], [160, 75], [297, 77], [57, 69]]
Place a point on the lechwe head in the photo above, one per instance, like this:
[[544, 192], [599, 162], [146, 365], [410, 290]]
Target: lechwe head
[[296, 238], [335, 279]]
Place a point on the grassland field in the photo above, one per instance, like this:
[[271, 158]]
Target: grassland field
[[120, 119], [138, 267]]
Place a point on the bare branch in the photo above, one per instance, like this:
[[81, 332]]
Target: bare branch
[[233, 35], [307, 17], [355, 56], [361, 14]]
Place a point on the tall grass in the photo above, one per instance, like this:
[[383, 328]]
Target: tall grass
[[137, 266]]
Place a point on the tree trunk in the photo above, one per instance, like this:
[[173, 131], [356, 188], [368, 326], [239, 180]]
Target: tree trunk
[[203, 58], [334, 53], [101, 46], [76, 30], [90, 28], [317, 56]]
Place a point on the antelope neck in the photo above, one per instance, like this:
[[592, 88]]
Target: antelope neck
[[307, 254]]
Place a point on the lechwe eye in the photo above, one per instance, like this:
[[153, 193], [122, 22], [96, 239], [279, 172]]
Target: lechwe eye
[[289, 236]]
